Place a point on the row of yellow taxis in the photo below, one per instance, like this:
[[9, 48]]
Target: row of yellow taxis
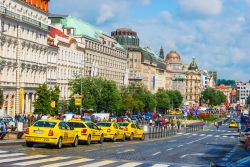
[[58, 133]]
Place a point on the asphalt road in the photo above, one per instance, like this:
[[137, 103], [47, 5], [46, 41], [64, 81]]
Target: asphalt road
[[185, 149]]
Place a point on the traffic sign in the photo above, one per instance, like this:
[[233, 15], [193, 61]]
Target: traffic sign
[[53, 104], [78, 101]]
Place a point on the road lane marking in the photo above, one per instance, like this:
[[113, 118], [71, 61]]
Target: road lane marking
[[40, 161], [197, 140], [217, 136], [224, 136], [194, 134], [22, 158], [11, 155], [172, 141], [170, 149], [180, 146], [232, 137], [68, 162], [195, 154], [156, 153], [187, 134], [202, 134], [98, 164], [180, 133], [3, 152], [160, 165], [130, 164], [125, 151], [209, 135]]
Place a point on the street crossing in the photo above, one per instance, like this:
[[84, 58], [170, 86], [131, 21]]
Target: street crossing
[[21, 159]]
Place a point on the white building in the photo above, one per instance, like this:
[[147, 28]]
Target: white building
[[204, 79], [243, 91], [69, 60], [104, 56], [23, 52]]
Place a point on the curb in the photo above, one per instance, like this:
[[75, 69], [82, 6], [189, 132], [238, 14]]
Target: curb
[[12, 143]]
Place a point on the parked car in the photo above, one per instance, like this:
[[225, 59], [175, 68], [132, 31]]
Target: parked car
[[233, 124], [10, 123], [87, 131], [112, 130], [54, 132], [132, 130], [3, 127], [134, 118]]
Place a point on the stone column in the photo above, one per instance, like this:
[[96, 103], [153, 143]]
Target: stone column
[[31, 104]]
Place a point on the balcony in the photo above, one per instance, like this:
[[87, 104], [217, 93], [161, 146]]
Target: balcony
[[21, 18]]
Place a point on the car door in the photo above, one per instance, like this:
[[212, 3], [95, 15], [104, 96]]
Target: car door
[[97, 132], [134, 130], [139, 131], [118, 131], [63, 133], [70, 133]]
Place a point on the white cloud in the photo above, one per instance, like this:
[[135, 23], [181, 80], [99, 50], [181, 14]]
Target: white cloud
[[208, 7], [107, 11], [166, 15]]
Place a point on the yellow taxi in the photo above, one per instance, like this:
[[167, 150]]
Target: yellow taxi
[[87, 131], [54, 132], [132, 130], [112, 131], [233, 124]]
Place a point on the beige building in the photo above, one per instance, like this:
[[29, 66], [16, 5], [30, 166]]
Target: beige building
[[176, 78], [104, 56], [69, 60], [144, 65], [193, 84], [23, 52]]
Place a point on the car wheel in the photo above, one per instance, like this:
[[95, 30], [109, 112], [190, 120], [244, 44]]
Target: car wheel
[[101, 139], [29, 144], [131, 137], [59, 143], [114, 138], [88, 142], [143, 137], [75, 144], [124, 137]]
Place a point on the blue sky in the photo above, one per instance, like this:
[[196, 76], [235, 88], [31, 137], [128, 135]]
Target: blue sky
[[215, 32]]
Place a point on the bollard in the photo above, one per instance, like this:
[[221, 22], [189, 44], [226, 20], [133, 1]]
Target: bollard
[[149, 136], [153, 132]]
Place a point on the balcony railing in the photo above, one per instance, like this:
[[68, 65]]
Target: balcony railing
[[25, 19]]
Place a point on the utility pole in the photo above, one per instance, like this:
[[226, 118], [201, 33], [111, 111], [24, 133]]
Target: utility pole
[[17, 98]]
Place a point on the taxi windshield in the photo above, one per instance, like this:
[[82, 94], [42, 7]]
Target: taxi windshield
[[123, 124], [104, 124], [45, 124]]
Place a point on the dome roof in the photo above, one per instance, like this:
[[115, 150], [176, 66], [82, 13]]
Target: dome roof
[[173, 54]]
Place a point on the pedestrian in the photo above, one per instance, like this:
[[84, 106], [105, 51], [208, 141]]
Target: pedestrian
[[163, 121], [178, 124], [216, 125]]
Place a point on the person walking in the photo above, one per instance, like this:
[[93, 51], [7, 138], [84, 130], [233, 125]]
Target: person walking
[[216, 125], [178, 124]]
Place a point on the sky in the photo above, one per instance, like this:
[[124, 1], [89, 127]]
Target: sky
[[215, 32]]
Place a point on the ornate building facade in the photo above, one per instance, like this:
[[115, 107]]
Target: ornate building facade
[[69, 60], [176, 78], [23, 52], [104, 56], [144, 65], [193, 84]]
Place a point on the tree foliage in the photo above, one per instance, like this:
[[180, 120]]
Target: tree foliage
[[45, 96], [163, 101], [213, 96], [98, 94], [226, 82]]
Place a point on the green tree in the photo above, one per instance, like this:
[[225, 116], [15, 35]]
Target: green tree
[[213, 96], [98, 94], [163, 101], [175, 98], [136, 98]]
